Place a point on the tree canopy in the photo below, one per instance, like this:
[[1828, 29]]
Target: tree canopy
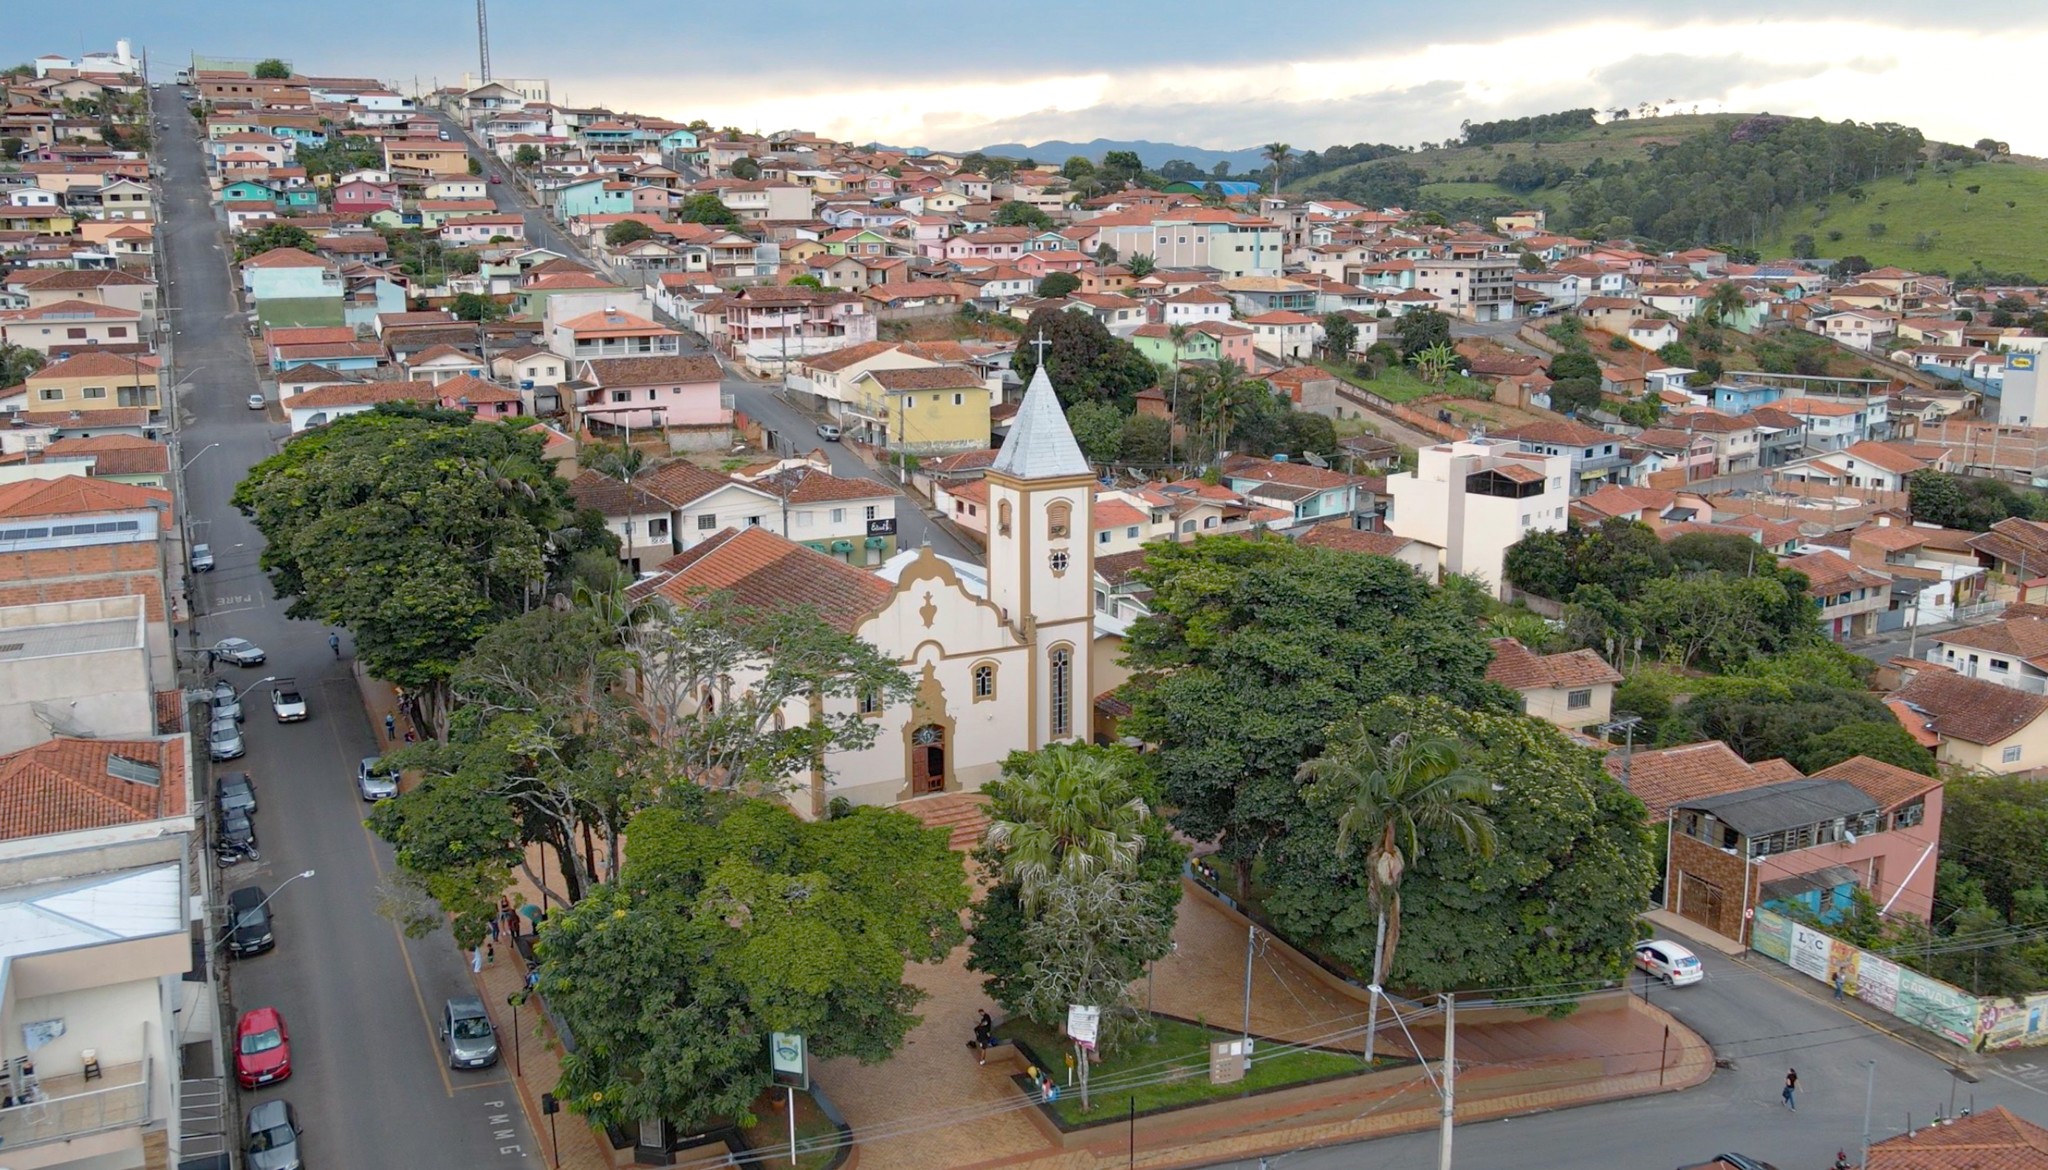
[[1255, 647], [706, 208], [729, 926], [1554, 903], [271, 69], [628, 231], [1084, 361], [418, 530]]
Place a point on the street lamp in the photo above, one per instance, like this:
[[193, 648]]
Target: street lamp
[[189, 462], [238, 698]]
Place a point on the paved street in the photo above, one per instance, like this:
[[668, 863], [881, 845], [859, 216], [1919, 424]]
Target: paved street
[[358, 999], [1757, 1017], [791, 431]]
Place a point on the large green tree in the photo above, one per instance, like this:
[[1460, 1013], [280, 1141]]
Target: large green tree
[[1420, 329], [418, 530], [733, 923], [1099, 428], [1554, 903], [271, 69], [706, 208], [1084, 361], [1255, 648]]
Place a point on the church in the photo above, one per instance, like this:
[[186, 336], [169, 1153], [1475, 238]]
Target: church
[[1002, 659]]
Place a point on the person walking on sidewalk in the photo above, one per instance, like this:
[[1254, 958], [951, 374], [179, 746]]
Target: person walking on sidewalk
[[1791, 1086], [984, 1032], [1841, 977], [390, 726], [334, 643]]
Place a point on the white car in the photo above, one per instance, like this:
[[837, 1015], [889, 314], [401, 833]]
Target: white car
[[286, 701], [1670, 962], [257, 402]]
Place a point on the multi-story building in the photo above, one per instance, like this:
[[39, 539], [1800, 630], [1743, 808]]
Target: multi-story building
[[767, 327], [92, 381], [1478, 288], [1476, 497], [1596, 456]]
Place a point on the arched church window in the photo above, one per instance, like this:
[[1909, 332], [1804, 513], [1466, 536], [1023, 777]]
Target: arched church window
[[1003, 518], [984, 681], [1062, 662]]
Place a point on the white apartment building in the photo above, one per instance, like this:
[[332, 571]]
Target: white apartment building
[[1478, 288], [1476, 497]]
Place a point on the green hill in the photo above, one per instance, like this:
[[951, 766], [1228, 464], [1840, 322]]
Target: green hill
[[1935, 221], [1615, 142]]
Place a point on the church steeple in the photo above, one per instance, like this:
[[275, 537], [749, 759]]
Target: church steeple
[[1041, 557], [1040, 445]]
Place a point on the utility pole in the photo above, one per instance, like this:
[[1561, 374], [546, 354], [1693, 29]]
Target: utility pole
[[1869, 1091], [483, 43], [1443, 1153], [1251, 938]]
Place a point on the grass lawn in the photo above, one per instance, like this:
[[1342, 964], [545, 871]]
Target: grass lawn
[[1960, 228], [1400, 384], [1181, 1051], [771, 1134]]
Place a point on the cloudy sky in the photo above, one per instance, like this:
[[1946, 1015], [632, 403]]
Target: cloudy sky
[[1222, 75]]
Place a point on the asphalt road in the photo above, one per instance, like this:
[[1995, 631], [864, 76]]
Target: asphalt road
[[1760, 1017], [791, 431], [358, 998]]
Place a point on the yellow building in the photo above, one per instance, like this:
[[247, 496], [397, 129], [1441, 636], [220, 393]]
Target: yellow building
[[92, 381], [433, 157], [927, 411]]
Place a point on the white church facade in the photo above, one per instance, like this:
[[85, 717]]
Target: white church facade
[[999, 658]]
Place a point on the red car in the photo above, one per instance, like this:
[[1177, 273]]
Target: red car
[[496, 179], [263, 1048]]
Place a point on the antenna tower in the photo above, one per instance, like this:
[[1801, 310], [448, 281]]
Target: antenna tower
[[483, 43]]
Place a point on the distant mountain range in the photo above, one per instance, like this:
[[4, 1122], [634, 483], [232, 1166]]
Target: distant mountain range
[[1154, 154]]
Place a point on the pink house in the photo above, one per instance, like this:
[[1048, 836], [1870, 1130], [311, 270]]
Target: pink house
[[1235, 342], [668, 392], [993, 244], [485, 400], [482, 229], [1041, 262], [366, 198]]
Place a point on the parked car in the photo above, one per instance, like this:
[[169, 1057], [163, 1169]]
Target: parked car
[[202, 558], [1669, 961], [240, 651], [273, 1137], [828, 431], [444, 136], [257, 402], [263, 1048], [249, 930], [238, 828], [287, 702], [466, 1033], [496, 179], [374, 781], [237, 792], [226, 703], [224, 741]]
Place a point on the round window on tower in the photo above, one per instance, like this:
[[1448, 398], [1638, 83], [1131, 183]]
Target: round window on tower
[[1058, 561]]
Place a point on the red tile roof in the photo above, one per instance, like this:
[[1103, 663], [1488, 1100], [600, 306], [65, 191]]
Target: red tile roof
[[761, 570], [1518, 668], [1888, 784], [74, 495], [1991, 1140], [64, 785], [1340, 535], [1664, 777], [1968, 709]]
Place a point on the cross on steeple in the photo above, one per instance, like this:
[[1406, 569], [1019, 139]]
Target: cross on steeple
[[1040, 345]]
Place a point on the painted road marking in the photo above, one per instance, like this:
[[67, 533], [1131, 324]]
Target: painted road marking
[[504, 1132]]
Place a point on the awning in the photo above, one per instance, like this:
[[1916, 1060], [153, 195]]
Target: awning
[[842, 546], [876, 542]]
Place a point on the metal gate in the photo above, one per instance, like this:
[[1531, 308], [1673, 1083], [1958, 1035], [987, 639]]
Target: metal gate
[[202, 1123]]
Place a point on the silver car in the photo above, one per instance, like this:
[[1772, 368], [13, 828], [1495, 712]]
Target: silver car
[[273, 1136], [467, 1034], [224, 741], [202, 558], [226, 703], [374, 781], [240, 651]]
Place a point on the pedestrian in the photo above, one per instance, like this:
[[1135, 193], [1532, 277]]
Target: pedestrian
[[390, 726], [984, 1029], [1791, 1086], [210, 658], [334, 643], [497, 924], [476, 966], [410, 736], [490, 952], [1841, 977]]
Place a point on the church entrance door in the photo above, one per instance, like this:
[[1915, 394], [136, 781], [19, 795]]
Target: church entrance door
[[928, 759]]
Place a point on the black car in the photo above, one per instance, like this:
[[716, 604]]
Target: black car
[[249, 930], [237, 829], [237, 793]]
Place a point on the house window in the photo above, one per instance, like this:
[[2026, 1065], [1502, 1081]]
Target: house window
[[1102, 537], [51, 394], [2010, 755], [838, 515], [753, 521], [1578, 700], [95, 392], [707, 522], [2000, 664], [959, 399], [1062, 677], [870, 702], [870, 512], [984, 682]]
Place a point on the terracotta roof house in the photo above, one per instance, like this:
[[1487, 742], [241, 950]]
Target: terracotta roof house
[[1418, 555], [1574, 690], [763, 571], [67, 785], [1991, 1140], [1981, 726], [1663, 777]]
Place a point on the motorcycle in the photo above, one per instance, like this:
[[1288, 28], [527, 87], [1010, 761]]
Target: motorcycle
[[228, 853]]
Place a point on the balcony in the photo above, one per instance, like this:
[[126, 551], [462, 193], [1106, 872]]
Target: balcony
[[2031, 684], [68, 1109]]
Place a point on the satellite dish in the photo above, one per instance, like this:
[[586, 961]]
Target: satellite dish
[[1848, 836]]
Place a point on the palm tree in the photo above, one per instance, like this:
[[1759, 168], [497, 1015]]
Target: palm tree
[[1723, 304], [1399, 793], [1434, 363], [1177, 334], [1071, 813], [1279, 154]]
